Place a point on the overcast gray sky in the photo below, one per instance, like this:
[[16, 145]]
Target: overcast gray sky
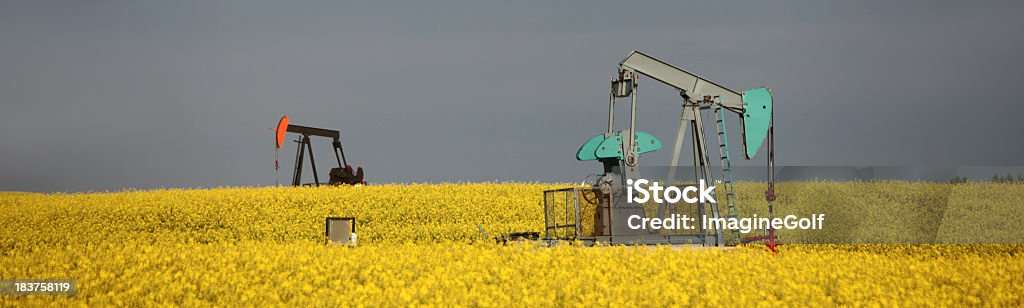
[[104, 95]]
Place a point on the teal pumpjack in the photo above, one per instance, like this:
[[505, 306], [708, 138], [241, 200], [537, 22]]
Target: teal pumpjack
[[611, 147]]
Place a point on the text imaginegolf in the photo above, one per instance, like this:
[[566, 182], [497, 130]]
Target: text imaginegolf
[[744, 225], [672, 194]]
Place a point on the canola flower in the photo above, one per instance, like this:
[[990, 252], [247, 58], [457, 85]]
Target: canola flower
[[420, 245]]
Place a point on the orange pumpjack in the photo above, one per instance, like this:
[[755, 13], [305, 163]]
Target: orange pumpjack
[[344, 174]]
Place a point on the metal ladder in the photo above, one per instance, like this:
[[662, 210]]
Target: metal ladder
[[723, 150]]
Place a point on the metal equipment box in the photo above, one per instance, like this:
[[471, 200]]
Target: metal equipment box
[[341, 230]]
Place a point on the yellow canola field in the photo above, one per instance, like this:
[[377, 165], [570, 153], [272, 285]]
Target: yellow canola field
[[421, 244], [522, 275]]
